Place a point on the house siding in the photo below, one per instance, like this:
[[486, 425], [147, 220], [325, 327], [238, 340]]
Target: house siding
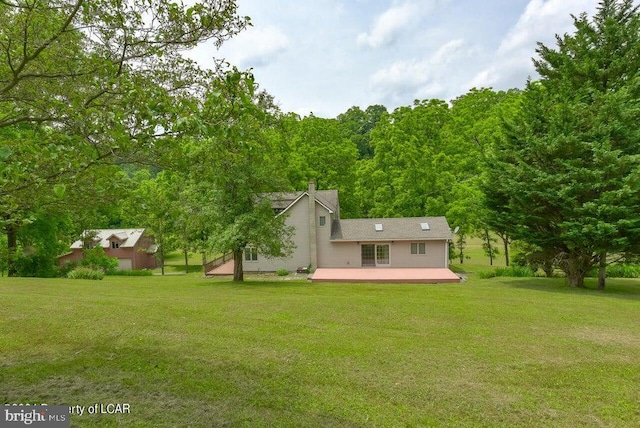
[[348, 254], [298, 217]]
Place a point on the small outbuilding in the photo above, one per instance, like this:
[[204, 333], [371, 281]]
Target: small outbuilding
[[134, 248]]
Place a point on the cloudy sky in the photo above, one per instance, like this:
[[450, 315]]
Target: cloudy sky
[[325, 56]]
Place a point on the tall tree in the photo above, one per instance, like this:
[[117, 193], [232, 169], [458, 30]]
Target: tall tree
[[571, 162], [475, 126], [235, 166], [87, 83], [320, 151], [357, 126], [409, 172]]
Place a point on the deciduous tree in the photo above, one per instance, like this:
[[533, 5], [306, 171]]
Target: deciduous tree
[[236, 166]]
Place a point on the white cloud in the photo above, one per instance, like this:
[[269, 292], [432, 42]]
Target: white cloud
[[539, 22], [448, 52], [328, 55], [418, 78], [256, 47], [389, 25], [540, 19]]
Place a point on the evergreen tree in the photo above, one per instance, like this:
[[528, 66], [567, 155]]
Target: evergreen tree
[[569, 180]]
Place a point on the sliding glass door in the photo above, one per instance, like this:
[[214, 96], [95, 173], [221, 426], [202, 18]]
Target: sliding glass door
[[374, 255]]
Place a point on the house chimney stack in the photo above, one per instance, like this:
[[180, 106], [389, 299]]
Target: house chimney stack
[[313, 247]]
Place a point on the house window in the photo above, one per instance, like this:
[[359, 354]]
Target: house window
[[251, 254], [323, 220], [374, 254], [115, 244], [418, 248]]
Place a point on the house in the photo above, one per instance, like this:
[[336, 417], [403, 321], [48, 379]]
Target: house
[[133, 248], [412, 249]]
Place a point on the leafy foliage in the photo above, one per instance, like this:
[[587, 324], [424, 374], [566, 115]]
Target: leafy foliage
[[569, 167], [96, 259], [84, 85], [232, 163], [510, 271], [85, 273]]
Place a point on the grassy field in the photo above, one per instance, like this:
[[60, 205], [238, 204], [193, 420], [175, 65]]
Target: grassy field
[[188, 351]]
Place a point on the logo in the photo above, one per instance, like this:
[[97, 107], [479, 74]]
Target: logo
[[34, 416]]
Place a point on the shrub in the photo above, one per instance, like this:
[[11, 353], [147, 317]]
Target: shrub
[[36, 265], [130, 272], [282, 272], [510, 271], [619, 271], [96, 259], [623, 271], [85, 273]]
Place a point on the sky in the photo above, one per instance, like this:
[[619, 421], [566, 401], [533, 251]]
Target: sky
[[325, 56]]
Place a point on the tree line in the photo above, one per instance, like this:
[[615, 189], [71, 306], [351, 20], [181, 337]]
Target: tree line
[[129, 133]]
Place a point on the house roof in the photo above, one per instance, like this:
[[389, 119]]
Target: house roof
[[391, 229], [282, 201], [127, 237]]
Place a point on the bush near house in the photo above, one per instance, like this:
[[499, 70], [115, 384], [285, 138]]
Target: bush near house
[[85, 273], [94, 265], [96, 259]]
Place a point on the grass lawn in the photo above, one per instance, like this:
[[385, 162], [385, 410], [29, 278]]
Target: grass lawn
[[188, 351]]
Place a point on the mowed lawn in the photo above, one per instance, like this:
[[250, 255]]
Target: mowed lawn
[[183, 350]]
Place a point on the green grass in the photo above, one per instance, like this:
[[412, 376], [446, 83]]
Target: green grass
[[188, 351], [174, 263], [475, 258]]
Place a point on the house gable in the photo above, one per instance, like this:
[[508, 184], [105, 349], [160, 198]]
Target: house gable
[[282, 202]]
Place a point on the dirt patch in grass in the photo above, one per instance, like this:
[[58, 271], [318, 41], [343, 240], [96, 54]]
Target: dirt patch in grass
[[607, 337]]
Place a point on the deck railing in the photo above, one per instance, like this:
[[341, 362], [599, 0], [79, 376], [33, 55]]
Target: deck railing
[[209, 266]]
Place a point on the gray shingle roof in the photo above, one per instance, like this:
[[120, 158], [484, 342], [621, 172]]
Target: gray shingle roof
[[393, 229]]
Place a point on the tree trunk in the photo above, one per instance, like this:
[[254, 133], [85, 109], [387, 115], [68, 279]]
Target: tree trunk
[[602, 270], [162, 259], [204, 263], [488, 238], [574, 279], [576, 269], [460, 245], [186, 261], [238, 273], [12, 248], [505, 241]]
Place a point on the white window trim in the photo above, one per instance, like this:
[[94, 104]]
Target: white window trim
[[250, 251], [418, 245]]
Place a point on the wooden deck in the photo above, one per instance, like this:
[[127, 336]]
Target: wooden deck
[[223, 270], [386, 275]]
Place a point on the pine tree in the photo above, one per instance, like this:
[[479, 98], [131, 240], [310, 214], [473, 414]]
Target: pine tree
[[571, 163]]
